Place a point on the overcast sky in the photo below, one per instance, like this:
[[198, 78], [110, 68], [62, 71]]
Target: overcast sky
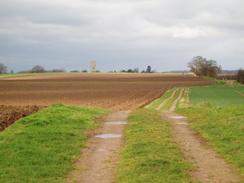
[[119, 34]]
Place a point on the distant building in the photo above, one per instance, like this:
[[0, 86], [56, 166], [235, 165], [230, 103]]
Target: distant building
[[93, 66]]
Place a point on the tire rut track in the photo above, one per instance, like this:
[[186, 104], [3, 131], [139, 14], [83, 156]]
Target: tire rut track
[[166, 100], [99, 159], [209, 167]]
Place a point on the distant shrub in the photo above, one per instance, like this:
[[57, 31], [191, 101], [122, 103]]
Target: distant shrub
[[57, 70], [240, 76], [38, 69], [136, 70], [74, 71]]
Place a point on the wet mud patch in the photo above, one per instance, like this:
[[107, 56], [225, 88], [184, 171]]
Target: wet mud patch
[[116, 123], [108, 136]]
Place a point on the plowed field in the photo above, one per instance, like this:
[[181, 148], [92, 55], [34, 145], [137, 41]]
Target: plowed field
[[114, 91], [9, 114]]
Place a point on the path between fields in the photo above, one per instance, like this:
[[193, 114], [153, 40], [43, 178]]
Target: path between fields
[[99, 159], [208, 166]]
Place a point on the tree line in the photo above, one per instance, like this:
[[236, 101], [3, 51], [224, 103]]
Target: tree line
[[198, 65], [136, 70], [209, 68], [35, 69], [41, 69]]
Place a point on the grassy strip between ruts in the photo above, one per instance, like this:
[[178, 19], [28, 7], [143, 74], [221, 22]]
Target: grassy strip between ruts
[[164, 102], [156, 103], [43, 146], [217, 113], [149, 155]]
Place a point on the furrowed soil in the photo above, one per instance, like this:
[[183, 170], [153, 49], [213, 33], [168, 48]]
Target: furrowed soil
[[114, 91], [9, 114]]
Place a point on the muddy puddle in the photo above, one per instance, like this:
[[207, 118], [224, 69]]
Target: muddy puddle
[[108, 136], [116, 123], [177, 117]]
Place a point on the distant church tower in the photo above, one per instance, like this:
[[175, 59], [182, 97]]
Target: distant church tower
[[93, 66]]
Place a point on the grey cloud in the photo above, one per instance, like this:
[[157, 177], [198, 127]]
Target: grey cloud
[[118, 34]]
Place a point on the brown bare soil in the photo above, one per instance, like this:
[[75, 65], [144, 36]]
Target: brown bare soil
[[115, 91], [9, 114]]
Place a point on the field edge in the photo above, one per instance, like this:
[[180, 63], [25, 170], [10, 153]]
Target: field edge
[[43, 147]]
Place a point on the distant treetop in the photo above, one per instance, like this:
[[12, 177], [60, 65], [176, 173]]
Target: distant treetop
[[38, 69], [3, 69], [203, 67]]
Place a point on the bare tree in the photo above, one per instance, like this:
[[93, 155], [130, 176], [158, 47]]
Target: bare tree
[[3, 69], [38, 69], [203, 67], [240, 76]]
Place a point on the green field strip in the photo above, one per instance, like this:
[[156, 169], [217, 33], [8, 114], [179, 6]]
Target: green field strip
[[5, 76], [44, 146], [220, 95]]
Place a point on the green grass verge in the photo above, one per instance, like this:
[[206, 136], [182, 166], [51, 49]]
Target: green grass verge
[[149, 155], [43, 146], [217, 113], [12, 75], [16, 75]]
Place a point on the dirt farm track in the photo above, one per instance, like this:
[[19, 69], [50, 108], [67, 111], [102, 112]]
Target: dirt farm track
[[114, 91]]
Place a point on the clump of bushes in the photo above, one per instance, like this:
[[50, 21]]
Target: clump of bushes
[[240, 76]]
